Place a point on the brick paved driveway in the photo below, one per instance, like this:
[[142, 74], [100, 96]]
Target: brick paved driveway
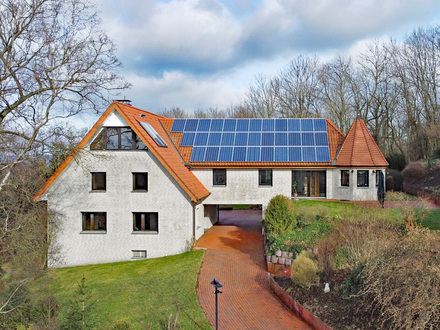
[[235, 258]]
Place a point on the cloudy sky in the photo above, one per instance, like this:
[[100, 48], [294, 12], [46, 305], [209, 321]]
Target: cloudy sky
[[197, 54]]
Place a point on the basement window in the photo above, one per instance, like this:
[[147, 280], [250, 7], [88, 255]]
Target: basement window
[[139, 254], [145, 222]]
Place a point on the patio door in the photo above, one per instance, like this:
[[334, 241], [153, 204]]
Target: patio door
[[309, 183]]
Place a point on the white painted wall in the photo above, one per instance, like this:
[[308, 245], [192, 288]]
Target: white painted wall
[[242, 186], [71, 194]]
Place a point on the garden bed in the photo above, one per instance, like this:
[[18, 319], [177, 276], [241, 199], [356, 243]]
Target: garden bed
[[332, 308]]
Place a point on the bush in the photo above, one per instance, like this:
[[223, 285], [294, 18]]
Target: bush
[[327, 249], [353, 283], [396, 161], [394, 180], [304, 270], [414, 172], [402, 284], [279, 217]]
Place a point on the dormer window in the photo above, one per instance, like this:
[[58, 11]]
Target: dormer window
[[117, 138]]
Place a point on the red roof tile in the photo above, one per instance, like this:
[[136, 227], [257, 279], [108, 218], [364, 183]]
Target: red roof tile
[[359, 148]]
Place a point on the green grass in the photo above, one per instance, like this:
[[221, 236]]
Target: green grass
[[143, 293], [432, 220]]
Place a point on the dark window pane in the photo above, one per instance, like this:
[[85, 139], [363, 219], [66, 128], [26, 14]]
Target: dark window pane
[[345, 178], [94, 221], [140, 145], [362, 178], [219, 177], [112, 138], [98, 181], [265, 177], [99, 141], [145, 221], [140, 181], [126, 138]]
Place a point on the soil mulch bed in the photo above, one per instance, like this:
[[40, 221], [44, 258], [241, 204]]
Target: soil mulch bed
[[332, 307]]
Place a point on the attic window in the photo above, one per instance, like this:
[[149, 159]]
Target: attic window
[[154, 135], [117, 138]]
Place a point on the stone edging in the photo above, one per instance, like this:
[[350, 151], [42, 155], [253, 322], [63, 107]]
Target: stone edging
[[293, 305]]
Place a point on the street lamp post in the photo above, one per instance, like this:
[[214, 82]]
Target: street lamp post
[[217, 286]]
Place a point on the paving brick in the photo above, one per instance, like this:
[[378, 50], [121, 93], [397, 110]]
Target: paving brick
[[235, 258]]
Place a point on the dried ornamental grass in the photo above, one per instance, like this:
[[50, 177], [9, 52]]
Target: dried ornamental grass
[[304, 271]]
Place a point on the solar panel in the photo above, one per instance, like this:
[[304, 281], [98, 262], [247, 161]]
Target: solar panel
[[322, 154], [239, 154], [308, 139], [255, 125], [211, 154], [268, 125], [178, 125], [191, 125], [225, 154], [242, 125], [217, 125], [253, 154], [306, 124], [281, 139], [255, 140], [228, 139], [187, 139], [320, 125], [308, 154], [198, 154], [267, 154], [229, 125], [204, 125], [280, 125], [295, 154], [267, 139], [241, 139], [214, 139], [281, 154], [201, 139]]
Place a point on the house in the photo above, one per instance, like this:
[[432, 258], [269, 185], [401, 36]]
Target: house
[[143, 186]]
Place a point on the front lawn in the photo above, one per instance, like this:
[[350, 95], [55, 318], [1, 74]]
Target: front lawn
[[141, 293]]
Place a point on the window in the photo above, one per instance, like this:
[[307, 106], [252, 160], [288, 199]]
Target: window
[[362, 178], [117, 138], [377, 177], [265, 177], [219, 176], [145, 221], [345, 178], [94, 221], [139, 254], [140, 181], [99, 181]]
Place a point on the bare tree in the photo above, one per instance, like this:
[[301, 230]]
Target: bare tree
[[56, 63], [260, 100]]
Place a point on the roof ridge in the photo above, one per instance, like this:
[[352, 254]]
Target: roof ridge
[[363, 127]]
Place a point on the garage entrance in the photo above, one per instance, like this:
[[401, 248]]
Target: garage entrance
[[239, 215]]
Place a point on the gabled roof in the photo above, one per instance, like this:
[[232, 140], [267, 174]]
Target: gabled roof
[[169, 157], [359, 148], [335, 139]]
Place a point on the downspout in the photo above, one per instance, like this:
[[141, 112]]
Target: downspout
[[194, 221]]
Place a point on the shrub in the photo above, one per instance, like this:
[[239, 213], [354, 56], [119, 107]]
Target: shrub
[[304, 270], [414, 172], [326, 253], [396, 161], [279, 217], [353, 283], [402, 284], [394, 180]]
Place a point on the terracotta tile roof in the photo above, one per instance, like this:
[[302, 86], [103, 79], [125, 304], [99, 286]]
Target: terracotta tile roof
[[359, 148], [169, 157], [335, 137]]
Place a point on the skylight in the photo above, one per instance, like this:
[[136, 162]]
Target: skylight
[[154, 135]]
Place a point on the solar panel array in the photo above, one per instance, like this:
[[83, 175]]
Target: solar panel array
[[254, 140]]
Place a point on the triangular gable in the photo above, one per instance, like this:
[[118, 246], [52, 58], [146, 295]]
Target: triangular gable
[[168, 157], [359, 148]]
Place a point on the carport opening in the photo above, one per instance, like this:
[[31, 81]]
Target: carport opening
[[239, 214]]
